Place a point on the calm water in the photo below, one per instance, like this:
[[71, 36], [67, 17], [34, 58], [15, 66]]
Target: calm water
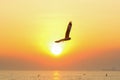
[[59, 75]]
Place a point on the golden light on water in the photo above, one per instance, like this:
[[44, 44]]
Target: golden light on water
[[56, 75]]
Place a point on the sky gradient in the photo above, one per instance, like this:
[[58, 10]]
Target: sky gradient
[[29, 27]]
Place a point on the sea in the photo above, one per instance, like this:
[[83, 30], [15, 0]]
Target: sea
[[59, 75]]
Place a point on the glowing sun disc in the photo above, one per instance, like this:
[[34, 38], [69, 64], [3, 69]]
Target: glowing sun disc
[[56, 49]]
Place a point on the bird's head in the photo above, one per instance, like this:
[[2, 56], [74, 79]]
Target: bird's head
[[69, 38]]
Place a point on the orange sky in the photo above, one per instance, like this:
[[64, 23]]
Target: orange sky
[[27, 29]]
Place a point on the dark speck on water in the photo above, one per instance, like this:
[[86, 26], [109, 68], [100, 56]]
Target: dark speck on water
[[38, 75], [106, 75], [84, 74]]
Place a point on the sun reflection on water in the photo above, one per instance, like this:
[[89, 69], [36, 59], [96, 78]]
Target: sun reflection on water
[[56, 75]]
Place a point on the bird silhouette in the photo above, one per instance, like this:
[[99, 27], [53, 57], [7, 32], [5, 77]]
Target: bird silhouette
[[66, 34]]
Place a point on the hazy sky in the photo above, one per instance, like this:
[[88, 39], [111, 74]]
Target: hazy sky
[[29, 27]]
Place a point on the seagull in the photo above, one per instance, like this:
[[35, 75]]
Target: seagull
[[66, 34]]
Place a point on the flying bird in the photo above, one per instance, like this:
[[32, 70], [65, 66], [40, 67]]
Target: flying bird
[[66, 34]]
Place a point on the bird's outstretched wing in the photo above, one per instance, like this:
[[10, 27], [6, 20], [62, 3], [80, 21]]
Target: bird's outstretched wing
[[68, 30], [59, 40]]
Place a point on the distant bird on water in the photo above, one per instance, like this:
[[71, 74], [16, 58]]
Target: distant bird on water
[[66, 34]]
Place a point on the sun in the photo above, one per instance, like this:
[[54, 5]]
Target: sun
[[56, 49]]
